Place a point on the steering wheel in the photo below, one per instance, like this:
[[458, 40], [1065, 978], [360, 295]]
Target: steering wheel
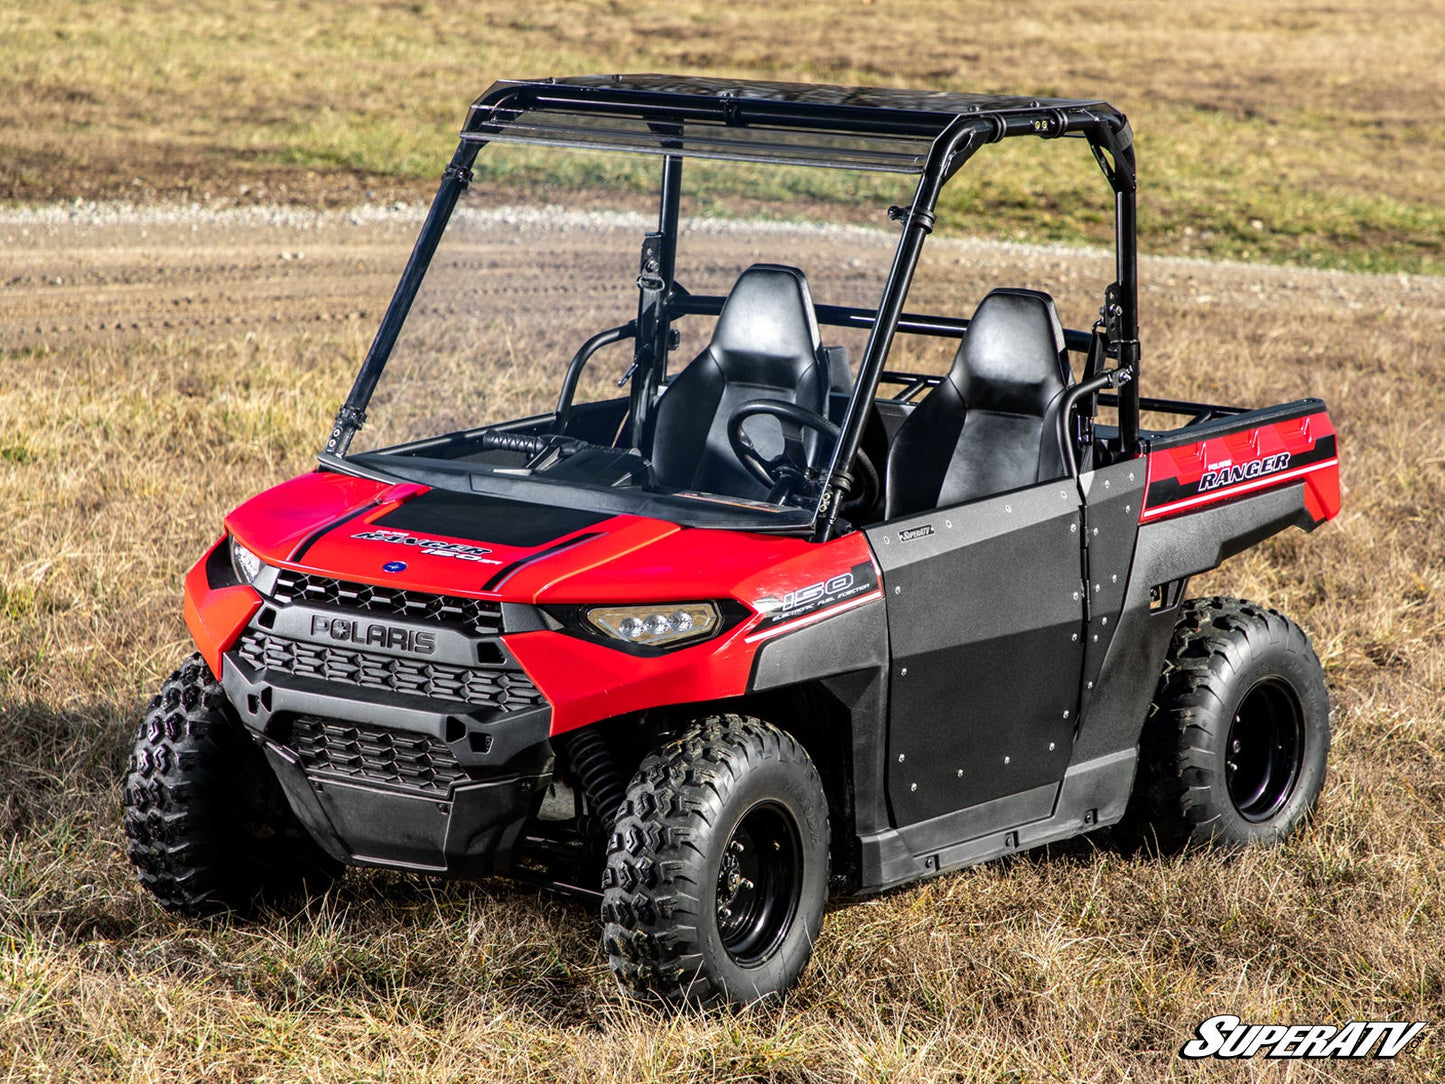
[[787, 469]]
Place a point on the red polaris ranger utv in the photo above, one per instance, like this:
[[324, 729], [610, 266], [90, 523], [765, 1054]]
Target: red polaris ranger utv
[[770, 620]]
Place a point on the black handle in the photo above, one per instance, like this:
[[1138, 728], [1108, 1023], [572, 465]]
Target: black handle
[[1113, 378]]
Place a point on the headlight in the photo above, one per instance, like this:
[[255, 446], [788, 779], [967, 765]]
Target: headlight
[[247, 565], [657, 625]]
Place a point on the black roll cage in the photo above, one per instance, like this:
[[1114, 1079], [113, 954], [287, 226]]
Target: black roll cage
[[928, 133]]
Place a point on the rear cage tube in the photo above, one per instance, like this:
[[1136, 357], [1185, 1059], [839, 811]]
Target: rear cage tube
[[1113, 148]]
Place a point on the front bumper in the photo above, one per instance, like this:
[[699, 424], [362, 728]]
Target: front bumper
[[428, 762]]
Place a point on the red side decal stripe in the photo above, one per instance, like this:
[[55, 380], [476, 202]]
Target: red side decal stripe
[[1236, 490]]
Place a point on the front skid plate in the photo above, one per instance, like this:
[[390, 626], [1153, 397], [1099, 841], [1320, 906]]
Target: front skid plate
[[471, 831], [469, 828]]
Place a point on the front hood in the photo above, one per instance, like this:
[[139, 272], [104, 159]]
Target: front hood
[[433, 540]]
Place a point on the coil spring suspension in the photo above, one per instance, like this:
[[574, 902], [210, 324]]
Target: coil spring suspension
[[601, 781]]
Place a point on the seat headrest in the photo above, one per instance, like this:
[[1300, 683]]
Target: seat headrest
[[768, 313], [1012, 359]]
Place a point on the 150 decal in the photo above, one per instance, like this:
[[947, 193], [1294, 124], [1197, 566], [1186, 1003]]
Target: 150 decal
[[859, 580]]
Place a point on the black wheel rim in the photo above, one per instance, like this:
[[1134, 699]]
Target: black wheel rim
[[1264, 750], [760, 879]]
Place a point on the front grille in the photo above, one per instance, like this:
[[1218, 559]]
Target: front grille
[[472, 614], [504, 689], [375, 754]]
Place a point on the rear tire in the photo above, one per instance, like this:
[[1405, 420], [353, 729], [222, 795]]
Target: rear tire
[[717, 868], [1234, 748], [209, 827]]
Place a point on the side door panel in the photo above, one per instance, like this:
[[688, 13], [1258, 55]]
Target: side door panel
[[985, 619]]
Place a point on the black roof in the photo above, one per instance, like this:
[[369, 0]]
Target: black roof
[[875, 128]]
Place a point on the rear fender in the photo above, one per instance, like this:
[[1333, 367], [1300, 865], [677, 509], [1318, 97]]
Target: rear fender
[[1205, 500]]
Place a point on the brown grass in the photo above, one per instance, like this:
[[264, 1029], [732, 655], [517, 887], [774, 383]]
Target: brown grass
[[119, 451]]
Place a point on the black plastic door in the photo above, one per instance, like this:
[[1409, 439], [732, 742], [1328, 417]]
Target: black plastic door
[[986, 623]]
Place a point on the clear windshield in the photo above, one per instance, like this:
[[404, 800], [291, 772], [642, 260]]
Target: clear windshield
[[513, 293]]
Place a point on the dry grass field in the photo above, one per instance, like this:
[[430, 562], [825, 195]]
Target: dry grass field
[[161, 366], [122, 448]]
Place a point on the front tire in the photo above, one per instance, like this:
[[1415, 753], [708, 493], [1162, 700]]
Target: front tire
[[1233, 752], [209, 827], [717, 868]]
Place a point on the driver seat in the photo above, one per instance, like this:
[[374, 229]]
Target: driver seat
[[765, 345]]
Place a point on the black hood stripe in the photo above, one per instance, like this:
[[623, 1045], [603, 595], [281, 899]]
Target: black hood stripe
[[488, 519], [316, 535], [505, 574]]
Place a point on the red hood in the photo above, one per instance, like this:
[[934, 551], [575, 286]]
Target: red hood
[[411, 537], [443, 542], [435, 541]]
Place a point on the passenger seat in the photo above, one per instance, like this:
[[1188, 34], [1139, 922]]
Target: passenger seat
[[990, 426]]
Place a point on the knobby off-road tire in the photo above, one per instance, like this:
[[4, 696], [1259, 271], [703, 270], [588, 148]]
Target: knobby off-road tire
[[1233, 751], [209, 826], [717, 867]]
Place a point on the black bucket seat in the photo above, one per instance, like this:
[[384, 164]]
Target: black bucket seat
[[765, 345], [991, 424]]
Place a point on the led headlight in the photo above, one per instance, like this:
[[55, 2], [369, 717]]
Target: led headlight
[[247, 565], [658, 625]]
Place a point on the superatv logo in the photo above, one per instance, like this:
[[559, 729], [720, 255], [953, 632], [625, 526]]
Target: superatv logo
[[432, 547], [371, 634], [1227, 474], [1228, 1037], [913, 533]]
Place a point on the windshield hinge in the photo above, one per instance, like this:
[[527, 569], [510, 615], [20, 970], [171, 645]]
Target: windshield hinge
[[348, 421], [649, 276], [463, 175], [907, 215], [1111, 315]]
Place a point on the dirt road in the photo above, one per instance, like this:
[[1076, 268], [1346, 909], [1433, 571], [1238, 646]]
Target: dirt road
[[75, 272]]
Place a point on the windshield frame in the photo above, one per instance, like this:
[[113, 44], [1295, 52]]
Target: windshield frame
[[660, 114]]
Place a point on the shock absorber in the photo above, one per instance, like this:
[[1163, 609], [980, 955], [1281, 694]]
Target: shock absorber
[[601, 781]]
